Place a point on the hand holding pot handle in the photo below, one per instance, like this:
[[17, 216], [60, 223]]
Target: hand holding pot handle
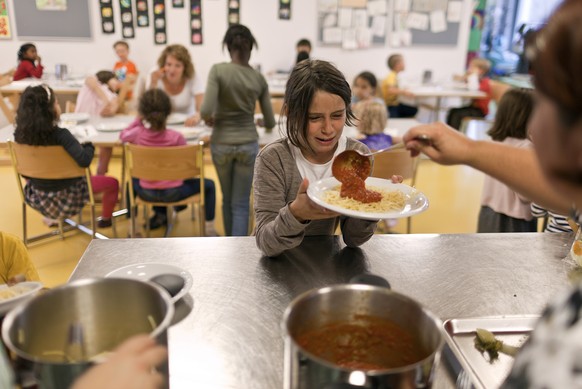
[[370, 279]]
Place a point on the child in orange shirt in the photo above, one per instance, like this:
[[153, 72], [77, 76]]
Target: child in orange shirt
[[124, 67], [478, 67]]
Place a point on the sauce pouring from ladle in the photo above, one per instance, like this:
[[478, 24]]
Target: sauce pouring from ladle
[[352, 168], [360, 163]]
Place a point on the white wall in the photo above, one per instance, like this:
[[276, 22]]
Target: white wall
[[276, 40]]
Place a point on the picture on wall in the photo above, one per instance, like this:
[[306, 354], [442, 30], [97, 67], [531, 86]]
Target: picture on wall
[[143, 18], [352, 24], [127, 30], [51, 5], [5, 32], [160, 37], [233, 12], [107, 23], [196, 22], [285, 9]]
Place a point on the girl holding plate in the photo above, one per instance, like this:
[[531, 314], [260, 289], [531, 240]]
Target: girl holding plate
[[317, 102]]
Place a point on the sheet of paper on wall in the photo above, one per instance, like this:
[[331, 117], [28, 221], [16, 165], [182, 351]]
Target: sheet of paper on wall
[[330, 20], [406, 37], [332, 35], [439, 5], [438, 22], [417, 21], [400, 21], [327, 5], [454, 11], [349, 39], [353, 3], [377, 7], [364, 37], [360, 18], [345, 17], [379, 26], [421, 5], [395, 39], [402, 6]]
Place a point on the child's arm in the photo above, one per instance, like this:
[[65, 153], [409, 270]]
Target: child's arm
[[81, 153], [130, 134], [110, 105]]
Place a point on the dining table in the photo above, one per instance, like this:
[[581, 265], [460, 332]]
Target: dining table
[[439, 92], [104, 131], [65, 89], [227, 330]]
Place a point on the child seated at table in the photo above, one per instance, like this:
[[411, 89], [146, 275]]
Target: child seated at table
[[555, 222], [98, 97], [149, 129], [476, 74], [504, 210], [36, 118], [391, 91], [29, 63], [364, 88], [317, 102]]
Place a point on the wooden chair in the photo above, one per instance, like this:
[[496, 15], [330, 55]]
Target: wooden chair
[[33, 162], [165, 163], [9, 112], [397, 162], [70, 106]]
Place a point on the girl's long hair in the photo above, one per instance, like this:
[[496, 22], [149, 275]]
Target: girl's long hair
[[36, 117]]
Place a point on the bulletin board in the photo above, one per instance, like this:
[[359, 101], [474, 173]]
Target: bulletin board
[[352, 24], [425, 22], [71, 23]]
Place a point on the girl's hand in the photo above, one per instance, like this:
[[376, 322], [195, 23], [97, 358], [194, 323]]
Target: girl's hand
[[192, 120], [304, 209], [38, 59]]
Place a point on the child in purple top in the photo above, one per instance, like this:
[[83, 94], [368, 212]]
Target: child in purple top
[[149, 129], [372, 119]]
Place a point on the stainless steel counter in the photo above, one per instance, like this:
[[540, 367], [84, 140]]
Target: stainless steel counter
[[230, 336]]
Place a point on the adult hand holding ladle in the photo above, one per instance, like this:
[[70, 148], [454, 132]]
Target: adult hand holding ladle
[[353, 161]]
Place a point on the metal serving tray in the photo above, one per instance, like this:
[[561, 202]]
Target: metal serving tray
[[460, 336]]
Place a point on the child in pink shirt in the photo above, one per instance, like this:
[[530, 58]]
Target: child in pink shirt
[[149, 129]]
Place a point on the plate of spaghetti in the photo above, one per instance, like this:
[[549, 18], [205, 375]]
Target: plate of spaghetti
[[396, 200]]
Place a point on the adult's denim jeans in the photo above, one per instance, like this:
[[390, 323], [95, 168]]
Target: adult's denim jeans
[[189, 188], [235, 165]]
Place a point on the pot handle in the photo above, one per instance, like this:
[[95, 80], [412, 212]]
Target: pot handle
[[370, 279]]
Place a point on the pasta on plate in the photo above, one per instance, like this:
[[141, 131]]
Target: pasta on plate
[[392, 200]]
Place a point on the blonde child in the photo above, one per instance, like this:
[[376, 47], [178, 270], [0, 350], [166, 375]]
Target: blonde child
[[29, 63], [372, 120], [476, 74], [391, 90], [149, 129], [502, 209]]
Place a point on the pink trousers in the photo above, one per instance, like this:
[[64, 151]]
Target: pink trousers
[[109, 186]]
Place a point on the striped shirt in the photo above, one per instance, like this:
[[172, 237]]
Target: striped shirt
[[556, 222]]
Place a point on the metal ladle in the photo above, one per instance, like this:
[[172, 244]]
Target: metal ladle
[[360, 162]]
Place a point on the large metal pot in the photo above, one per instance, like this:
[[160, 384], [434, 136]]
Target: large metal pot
[[329, 306], [56, 336]]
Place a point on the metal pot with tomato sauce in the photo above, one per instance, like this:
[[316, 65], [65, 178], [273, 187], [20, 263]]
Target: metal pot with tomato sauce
[[360, 335]]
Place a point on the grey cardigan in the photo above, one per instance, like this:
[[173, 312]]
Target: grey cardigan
[[275, 184]]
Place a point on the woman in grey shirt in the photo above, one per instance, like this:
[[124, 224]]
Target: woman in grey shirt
[[229, 105], [317, 103]]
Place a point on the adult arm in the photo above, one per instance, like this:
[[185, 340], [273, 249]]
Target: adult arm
[[81, 153], [130, 366], [210, 100], [111, 104], [517, 168], [266, 106]]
